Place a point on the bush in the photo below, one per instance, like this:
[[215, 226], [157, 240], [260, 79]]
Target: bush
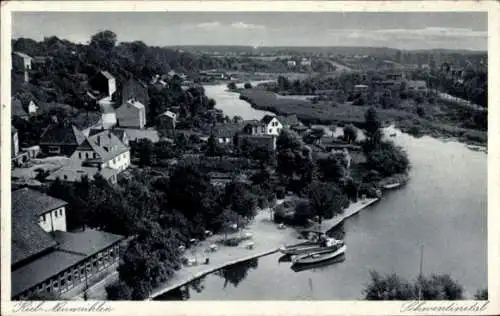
[[118, 291]]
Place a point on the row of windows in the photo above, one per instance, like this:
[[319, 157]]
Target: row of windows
[[57, 213], [71, 278], [87, 156]]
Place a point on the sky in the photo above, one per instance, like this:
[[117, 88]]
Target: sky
[[402, 30]]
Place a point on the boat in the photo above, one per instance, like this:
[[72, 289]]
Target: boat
[[309, 247], [319, 256], [392, 186], [318, 265]]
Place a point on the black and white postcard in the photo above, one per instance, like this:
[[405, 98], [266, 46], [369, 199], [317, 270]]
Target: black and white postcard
[[250, 157]]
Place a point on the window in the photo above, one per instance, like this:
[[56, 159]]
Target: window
[[61, 212], [80, 155], [270, 131], [95, 156], [56, 213], [54, 149], [65, 177], [42, 218]]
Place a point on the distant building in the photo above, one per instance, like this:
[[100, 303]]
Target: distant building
[[225, 133], [22, 62], [61, 139], [102, 149], [131, 114], [59, 261], [14, 142], [134, 89], [76, 172], [268, 125], [305, 62], [291, 63], [416, 86], [104, 82], [17, 109], [360, 88], [167, 120]]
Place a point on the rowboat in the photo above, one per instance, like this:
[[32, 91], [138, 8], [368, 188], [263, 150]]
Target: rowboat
[[318, 265], [319, 256], [331, 244]]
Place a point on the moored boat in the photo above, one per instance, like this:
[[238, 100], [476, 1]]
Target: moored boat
[[319, 256], [330, 244]]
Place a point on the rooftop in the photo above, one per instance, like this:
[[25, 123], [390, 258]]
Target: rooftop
[[62, 134], [23, 55], [34, 202], [42, 269], [87, 242], [104, 143], [107, 75]]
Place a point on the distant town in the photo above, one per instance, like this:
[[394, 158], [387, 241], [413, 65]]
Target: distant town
[[129, 178]]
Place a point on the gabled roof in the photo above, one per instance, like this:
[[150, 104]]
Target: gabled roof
[[226, 130], [267, 118], [59, 134], [105, 144], [34, 202], [169, 114], [29, 239], [136, 104], [87, 242], [23, 55], [107, 75], [17, 108]]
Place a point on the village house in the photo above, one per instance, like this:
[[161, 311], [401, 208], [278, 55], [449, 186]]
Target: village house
[[102, 149], [76, 172], [268, 125], [17, 109], [416, 86], [21, 61], [225, 133], [104, 82], [360, 89], [305, 62], [131, 114], [166, 120], [134, 89], [47, 259], [290, 121], [61, 139], [291, 63]]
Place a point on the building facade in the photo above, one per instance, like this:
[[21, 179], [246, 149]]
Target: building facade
[[131, 114]]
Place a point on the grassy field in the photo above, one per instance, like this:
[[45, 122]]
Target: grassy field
[[326, 113], [319, 113]]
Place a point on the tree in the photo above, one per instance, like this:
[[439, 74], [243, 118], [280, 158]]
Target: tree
[[481, 294], [388, 159], [247, 85], [118, 291], [372, 127], [288, 140], [231, 85], [105, 40], [212, 147], [238, 198], [325, 199], [145, 152], [393, 287], [332, 168], [350, 133]]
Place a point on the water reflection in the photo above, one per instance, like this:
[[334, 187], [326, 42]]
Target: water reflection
[[182, 293], [235, 273]]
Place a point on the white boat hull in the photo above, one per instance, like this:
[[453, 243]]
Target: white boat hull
[[319, 256]]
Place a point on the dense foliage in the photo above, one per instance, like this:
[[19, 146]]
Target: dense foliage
[[393, 287]]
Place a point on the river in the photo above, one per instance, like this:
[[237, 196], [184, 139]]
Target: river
[[443, 207]]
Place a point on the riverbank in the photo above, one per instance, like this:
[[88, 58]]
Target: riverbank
[[327, 114], [267, 238]]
